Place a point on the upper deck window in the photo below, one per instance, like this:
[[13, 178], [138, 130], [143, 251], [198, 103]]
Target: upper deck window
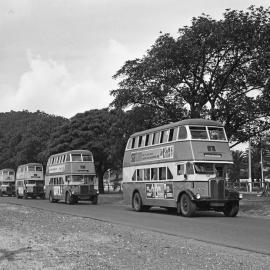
[[76, 157], [39, 168], [129, 143], [182, 133], [31, 168], [68, 157], [140, 141], [147, 139], [156, 138], [198, 132], [164, 136], [11, 173], [133, 142], [216, 133], [87, 158], [172, 134]]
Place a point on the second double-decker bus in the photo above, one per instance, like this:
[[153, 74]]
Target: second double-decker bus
[[7, 182], [70, 177], [30, 181], [183, 165]]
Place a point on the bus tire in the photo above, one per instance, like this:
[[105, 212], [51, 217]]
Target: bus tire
[[68, 198], [137, 202], [51, 200], [187, 206], [231, 209], [95, 200]]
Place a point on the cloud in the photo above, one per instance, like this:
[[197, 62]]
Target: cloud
[[49, 86]]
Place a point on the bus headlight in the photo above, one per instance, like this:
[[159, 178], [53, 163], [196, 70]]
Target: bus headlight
[[198, 196], [240, 196]]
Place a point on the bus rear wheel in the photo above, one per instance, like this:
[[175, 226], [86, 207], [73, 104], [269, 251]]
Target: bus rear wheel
[[187, 206], [231, 209], [137, 202]]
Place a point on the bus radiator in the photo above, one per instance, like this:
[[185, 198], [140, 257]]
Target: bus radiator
[[83, 190], [217, 189]]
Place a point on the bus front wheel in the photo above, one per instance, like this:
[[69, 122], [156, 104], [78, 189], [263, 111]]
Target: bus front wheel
[[68, 198], [95, 200], [231, 209], [51, 200], [187, 206], [17, 195]]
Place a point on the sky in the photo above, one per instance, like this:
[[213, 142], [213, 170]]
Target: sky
[[59, 56]]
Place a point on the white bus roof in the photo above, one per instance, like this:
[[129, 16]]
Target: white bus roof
[[194, 121], [30, 164], [72, 152]]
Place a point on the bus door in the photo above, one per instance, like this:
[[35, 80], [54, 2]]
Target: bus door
[[21, 187]]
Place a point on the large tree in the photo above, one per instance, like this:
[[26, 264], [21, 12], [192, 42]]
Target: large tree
[[216, 69], [24, 136]]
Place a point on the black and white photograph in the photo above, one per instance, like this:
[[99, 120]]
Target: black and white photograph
[[134, 135]]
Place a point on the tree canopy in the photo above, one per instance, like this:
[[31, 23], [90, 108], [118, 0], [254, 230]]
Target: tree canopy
[[217, 69], [24, 136]]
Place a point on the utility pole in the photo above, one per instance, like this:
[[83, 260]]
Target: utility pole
[[249, 167], [262, 167]]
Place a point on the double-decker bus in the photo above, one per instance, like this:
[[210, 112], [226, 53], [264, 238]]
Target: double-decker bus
[[70, 177], [7, 182], [30, 181], [182, 165]]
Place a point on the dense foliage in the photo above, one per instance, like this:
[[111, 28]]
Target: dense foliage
[[24, 136], [213, 69]]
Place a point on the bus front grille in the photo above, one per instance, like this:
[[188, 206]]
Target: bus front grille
[[217, 189], [83, 190]]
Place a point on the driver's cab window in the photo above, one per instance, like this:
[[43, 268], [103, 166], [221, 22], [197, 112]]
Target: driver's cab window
[[180, 169], [189, 168], [220, 171]]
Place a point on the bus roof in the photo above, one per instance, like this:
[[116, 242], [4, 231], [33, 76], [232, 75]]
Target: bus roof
[[7, 169], [72, 152], [193, 121], [30, 164]]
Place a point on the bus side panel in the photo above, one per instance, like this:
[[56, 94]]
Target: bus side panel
[[142, 156]]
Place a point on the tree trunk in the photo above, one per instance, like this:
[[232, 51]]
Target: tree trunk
[[100, 183]]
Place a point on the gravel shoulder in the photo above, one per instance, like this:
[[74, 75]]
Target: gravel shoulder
[[37, 239]]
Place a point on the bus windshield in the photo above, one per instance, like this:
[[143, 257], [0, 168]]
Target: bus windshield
[[6, 183], [86, 179], [198, 132], [33, 182], [216, 133], [204, 168]]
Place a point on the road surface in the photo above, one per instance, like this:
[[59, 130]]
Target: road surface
[[246, 233]]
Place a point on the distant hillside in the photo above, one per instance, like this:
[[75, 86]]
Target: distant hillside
[[24, 136]]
